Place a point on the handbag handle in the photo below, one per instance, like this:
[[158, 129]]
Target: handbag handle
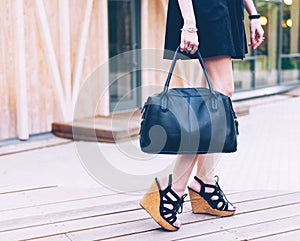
[[202, 65]]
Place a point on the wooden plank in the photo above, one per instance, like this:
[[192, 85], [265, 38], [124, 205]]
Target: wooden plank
[[268, 228], [89, 206], [50, 56], [255, 231], [20, 73], [81, 50], [292, 236], [32, 145], [40, 197], [220, 236], [202, 228], [53, 238], [8, 189]]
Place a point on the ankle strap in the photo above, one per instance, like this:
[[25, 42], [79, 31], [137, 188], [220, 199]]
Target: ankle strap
[[203, 184], [169, 183]]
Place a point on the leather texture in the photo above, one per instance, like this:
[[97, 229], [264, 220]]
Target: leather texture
[[188, 120]]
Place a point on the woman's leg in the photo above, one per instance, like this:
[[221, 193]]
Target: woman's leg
[[220, 71], [181, 173]]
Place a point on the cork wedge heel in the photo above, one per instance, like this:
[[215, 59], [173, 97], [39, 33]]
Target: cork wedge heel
[[213, 203], [163, 205]]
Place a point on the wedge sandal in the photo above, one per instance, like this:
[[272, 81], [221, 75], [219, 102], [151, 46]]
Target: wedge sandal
[[214, 203], [163, 205]]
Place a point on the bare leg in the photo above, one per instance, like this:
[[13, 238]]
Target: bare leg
[[204, 171], [181, 174], [205, 168], [220, 71]]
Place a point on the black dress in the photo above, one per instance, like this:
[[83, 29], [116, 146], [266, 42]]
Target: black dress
[[220, 26]]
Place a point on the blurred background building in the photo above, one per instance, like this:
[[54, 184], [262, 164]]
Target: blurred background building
[[50, 47]]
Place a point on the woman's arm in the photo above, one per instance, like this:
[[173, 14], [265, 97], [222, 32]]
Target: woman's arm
[[189, 37], [256, 31]]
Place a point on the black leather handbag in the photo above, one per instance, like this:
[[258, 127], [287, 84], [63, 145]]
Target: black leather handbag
[[188, 120]]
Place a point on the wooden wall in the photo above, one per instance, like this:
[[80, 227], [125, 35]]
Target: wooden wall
[[48, 49]]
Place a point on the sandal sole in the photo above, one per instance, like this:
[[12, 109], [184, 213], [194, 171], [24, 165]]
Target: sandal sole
[[151, 203], [200, 205]]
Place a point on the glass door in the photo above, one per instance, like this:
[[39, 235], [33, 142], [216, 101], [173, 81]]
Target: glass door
[[124, 35]]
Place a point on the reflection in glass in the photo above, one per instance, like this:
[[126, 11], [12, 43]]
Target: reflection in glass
[[123, 18]]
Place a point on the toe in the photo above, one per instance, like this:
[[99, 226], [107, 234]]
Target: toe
[[177, 224], [232, 208]]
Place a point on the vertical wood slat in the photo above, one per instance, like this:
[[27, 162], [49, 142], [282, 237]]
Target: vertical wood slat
[[78, 67], [65, 53], [20, 73], [103, 108], [50, 56], [145, 43]]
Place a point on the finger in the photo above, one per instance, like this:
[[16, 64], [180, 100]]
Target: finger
[[252, 42], [252, 36], [259, 39], [188, 46], [195, 47], [258, 43], [193, 51], [182, 46]]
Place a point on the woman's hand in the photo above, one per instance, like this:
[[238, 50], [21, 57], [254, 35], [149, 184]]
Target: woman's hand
[[256, 33], [189, 41]]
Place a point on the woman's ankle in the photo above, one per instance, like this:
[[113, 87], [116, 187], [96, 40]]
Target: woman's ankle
[[178, 190], [196, 186], [208, 180]]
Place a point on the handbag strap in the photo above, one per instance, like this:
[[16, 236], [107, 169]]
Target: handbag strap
[[202, 65]]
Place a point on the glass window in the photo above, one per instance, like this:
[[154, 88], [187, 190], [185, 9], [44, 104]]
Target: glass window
[[277, 60], [266, 64], [260, 67], [290, 58]]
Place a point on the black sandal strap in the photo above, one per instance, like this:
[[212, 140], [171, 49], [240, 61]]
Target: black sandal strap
[[177, 205], [169, 183], [223, 196], [217, 192]]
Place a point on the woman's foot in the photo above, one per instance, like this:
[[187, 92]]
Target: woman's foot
[[163, 204], [207, 197]]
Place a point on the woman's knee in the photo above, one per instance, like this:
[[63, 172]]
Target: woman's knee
[[226, 87], [228, 91], [220, 71]]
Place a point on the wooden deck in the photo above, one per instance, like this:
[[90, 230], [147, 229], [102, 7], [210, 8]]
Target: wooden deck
[[53, 213]]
